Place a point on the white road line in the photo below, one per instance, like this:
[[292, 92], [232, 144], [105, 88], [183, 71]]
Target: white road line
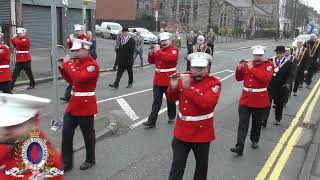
[[127, 109], [217, 52], [227, 77], [125, 95], [165, 109], [142, 91], [229, 70], [146, 119]]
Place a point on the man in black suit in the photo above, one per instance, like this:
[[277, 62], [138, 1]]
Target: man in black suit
[[125, 58], [280, 84]]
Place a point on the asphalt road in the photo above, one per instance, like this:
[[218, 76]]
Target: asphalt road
[[135, 153]]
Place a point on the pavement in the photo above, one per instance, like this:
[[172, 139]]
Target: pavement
[[286, 152]]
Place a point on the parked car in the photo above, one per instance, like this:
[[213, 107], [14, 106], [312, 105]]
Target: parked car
[[110, 29], [98, 30], [304, 37], [148, 37]]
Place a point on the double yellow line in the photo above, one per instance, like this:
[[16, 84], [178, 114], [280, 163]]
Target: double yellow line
[[275, 174]]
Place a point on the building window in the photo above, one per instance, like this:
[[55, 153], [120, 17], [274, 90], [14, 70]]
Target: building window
[[147, 7], [223, 20]]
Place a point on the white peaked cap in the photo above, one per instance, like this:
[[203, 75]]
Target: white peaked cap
[[21, 30], [199, 59], [18, 108], [79, 43], [258, 50], [78, 27], [201, 37], [299, 40], [164, 36]]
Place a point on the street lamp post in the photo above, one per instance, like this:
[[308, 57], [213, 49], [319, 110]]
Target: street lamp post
[[156, 14], [55, 123], [84, 15]]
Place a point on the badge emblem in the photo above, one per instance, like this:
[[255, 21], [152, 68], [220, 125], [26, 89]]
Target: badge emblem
[[36, 155], [174, 52], [215, 89], [90, 68], [269, 68]]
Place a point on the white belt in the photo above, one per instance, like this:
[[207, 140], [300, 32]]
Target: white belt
[[166, 70], [82, 93], [254, 90], [4, 66], [195, 118], [22, 52]]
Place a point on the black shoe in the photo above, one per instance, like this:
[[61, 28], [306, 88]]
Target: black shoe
[[263, 124], [31, 87], [67, 168], [64, 99], [129, 86], [237, 150], [114, 86], [254, 145], [294, 94], [149, 124], [277, 123], [170, 121], [308, 87], [87, 165]]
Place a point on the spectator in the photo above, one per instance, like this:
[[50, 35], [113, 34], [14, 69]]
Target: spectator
[[139, 47], [93, 47]]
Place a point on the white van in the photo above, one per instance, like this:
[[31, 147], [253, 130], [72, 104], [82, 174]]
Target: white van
[[110, 29]]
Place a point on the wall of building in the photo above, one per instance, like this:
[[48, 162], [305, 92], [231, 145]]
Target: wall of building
[[116, 10]]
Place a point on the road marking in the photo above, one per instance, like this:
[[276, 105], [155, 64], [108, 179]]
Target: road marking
[[293, 140], [275, 153], [127, 109], [125, 95], [227, 77], [146, 90], [286, 154], [146, 119], [21, 88], [307, 117], [165, 109]]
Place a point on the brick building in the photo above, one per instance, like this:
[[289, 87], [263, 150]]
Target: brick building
[[116, 10], [201, 14]]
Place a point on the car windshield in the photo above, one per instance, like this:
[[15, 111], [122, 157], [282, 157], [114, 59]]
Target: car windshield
[[115, 27], [143, 31]]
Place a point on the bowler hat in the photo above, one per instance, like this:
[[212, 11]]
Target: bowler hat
[[125, 29], [280, 49]]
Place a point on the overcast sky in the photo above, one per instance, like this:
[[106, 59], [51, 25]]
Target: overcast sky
[[315, 4]]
